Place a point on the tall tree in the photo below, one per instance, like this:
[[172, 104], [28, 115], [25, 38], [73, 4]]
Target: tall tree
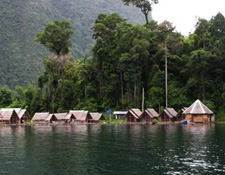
[[144, 5], [56, 37]]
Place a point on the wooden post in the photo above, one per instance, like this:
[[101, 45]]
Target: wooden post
[[143, 99]]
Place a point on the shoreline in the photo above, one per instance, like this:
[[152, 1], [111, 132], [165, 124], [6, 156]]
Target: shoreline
[[107, 123]]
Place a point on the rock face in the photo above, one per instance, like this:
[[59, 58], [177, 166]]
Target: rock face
[[21, 57]]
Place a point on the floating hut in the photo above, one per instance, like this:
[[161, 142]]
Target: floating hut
[[133, 115], [119, 114], [180, 115], [44, 117], [64, 117], [70, 118], [9, 117], [149, 115], [168, 115], [96, 117], [22, 113], [81, 115], [199, 113], [51, 118]]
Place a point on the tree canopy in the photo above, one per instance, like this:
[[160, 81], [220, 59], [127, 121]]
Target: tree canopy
[[144, 5], [56, 37]]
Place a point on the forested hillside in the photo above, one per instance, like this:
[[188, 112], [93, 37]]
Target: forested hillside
[[125, 59], [21, 57]]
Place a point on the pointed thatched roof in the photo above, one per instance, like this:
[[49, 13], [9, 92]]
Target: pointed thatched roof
[[80, 114], [151, 112], [19, 111], [41, 116], [134, 112], [69, 116], [7, 114], [61, 116], [170, 112], [51, 116], [96, 116], [198, 108]]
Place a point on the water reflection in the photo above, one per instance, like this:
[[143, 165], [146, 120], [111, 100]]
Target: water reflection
[[112, 149]]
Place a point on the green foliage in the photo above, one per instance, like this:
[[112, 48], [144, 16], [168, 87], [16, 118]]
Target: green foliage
[[21, 57], [155, 120], [144, 5], [5, 97], [56, 37], [127, 58], [159, 119]]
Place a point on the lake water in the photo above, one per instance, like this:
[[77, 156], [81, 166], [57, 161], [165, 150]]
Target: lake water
[[112, 149]]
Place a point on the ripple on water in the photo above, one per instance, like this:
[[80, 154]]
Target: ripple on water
[[112, 149]]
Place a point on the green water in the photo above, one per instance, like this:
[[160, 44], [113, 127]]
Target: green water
[[112, 149]]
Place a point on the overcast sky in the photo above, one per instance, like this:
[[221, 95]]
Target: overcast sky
[[184, 13]]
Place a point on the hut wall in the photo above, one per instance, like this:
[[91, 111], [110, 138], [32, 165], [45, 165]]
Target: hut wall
[[213, 118], [131, 118], [189, 117], [165, 118], [180, 117], [6, 121], [146, 118], [201, 118]]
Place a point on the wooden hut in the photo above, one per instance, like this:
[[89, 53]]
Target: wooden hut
[[64, 117], [199, 113], [149, 115], [70, 118], [96, 117], [9, 117], [81, 116], [168, 115], [61, 117], [119, 114], [22, 113], [44, 117], [51, 118], [133, 115], [180, 115]]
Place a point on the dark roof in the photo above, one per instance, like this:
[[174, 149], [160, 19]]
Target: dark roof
[[198, 108]]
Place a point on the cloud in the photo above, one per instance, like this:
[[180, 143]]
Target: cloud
[[185, 13]]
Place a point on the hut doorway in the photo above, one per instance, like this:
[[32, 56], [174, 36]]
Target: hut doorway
[[13, 119]]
